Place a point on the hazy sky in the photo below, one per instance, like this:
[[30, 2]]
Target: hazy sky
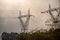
[[10, 8]]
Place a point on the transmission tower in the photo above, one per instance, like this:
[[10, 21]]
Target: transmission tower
[[24, 27], [54, 20]]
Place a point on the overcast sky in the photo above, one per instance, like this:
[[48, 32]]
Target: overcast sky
[[10, 8]]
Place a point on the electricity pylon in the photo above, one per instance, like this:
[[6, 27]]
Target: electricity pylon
[[54, 20], [24, 27]]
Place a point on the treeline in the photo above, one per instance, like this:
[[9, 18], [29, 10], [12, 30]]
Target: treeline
[[48, 35], [9, 36], [38, 35]]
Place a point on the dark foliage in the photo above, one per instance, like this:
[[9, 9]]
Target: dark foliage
[[9, 36], [50, 35]]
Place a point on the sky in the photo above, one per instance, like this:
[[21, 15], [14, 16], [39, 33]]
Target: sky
[[9, 10]]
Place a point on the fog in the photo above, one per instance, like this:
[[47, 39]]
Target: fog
[[9, 10]]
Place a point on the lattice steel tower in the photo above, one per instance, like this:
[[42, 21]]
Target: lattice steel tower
[[55, 20], [24, 27]]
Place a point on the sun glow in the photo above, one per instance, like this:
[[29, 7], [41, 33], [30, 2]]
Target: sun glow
[[9, 1]]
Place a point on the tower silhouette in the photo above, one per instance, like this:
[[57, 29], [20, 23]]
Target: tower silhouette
[[55, 20], [24, 27]]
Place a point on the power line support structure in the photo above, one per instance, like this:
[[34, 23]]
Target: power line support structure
[[24, 27], [55, 20]]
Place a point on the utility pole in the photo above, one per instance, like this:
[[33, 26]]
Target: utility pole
[[54, 20], [24, 27]]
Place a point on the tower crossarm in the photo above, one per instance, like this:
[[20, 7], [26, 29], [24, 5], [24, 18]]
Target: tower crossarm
[[50, 12], [53, 9], [24, 24]]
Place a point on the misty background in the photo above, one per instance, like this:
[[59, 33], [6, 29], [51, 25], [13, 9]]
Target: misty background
[[9, 10]]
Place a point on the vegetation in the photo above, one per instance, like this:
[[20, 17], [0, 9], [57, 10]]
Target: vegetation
[[48, 35], [9, 36]]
